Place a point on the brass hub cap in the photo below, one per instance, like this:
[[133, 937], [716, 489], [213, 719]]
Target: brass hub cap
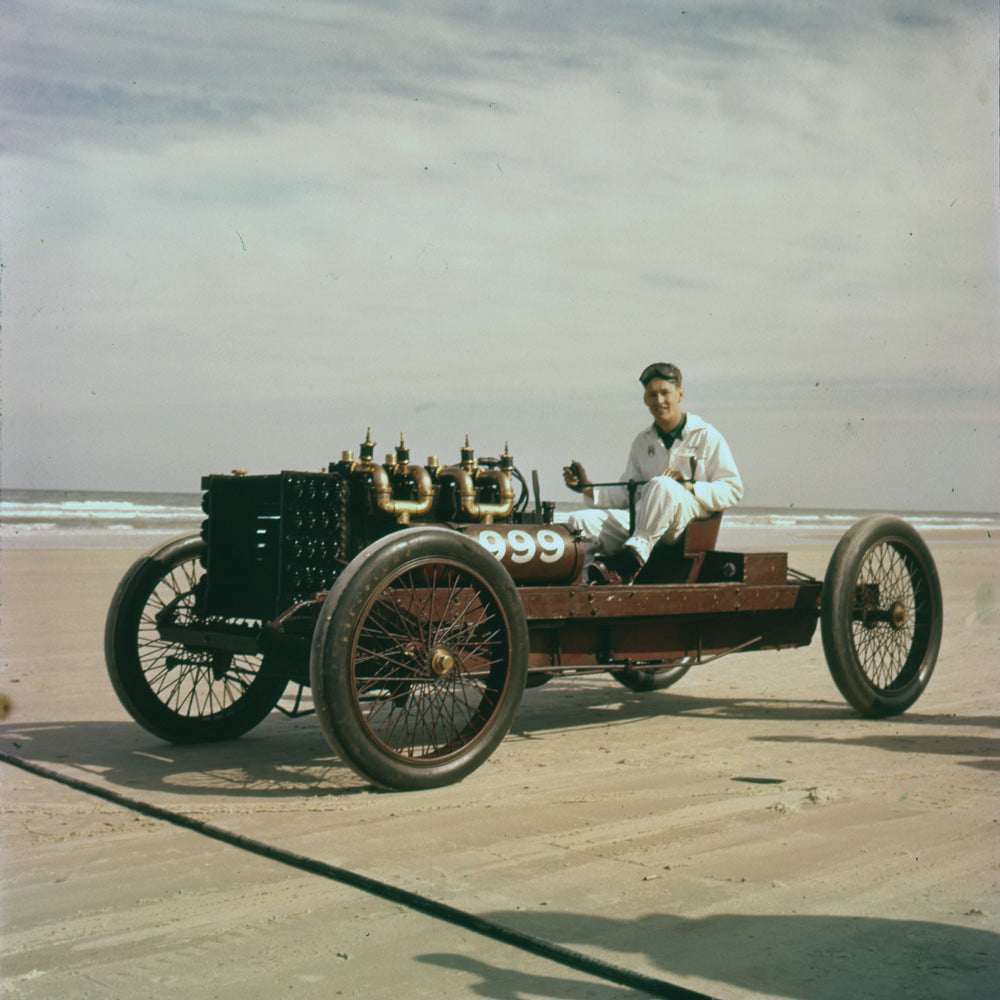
[[441, 662], [897, 615]]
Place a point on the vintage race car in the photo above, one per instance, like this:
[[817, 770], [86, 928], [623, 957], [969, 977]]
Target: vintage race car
[[418, 602]]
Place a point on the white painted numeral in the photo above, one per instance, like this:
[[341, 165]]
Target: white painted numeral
[[493, 542], [548, 545], [551, 544], [522, 545]]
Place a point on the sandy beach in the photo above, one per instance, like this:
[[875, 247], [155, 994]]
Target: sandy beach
[[744, 834]]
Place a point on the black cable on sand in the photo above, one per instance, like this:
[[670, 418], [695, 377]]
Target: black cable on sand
[[431, 908]]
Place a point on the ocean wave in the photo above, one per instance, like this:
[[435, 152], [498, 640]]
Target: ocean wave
[[92, 510], [52, 518], [8, 529], [825, 523]]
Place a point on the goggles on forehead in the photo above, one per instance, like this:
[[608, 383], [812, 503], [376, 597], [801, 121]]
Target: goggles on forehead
[[661, 369]]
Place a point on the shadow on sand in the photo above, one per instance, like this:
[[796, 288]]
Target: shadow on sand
[[290, 757], [787, 955], [278, 759]]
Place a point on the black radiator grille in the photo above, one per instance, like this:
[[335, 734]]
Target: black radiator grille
[[272, 540]]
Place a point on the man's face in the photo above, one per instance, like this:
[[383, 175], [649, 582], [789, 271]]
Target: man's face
[[663, 399]]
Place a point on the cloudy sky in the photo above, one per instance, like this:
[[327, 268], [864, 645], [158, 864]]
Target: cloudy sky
[[239, 233]]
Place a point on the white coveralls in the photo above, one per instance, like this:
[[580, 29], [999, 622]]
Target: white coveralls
[[664, 507]]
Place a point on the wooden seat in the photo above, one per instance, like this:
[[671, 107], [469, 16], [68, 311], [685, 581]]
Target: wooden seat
[[680, 561], [702, 534]]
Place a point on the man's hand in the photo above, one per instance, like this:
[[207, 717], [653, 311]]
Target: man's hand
[[576, 478], [679, 476]]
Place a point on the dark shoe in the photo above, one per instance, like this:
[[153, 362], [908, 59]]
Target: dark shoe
[[600, 573], [617, 570]]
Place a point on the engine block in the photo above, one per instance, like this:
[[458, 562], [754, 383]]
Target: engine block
[[274, 541]]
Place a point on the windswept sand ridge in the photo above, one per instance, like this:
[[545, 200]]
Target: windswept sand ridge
[[860, 860]]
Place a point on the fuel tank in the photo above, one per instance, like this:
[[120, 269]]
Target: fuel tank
[[531, 553]]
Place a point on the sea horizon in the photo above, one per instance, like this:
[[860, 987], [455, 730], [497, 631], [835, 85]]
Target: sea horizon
[[55, 518]]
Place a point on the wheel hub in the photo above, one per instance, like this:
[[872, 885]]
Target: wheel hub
[[441, 662], [897, 615]]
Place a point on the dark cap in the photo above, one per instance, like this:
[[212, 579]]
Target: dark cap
[[660, 369]]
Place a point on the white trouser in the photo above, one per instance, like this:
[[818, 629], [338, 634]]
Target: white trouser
[[664, 511]]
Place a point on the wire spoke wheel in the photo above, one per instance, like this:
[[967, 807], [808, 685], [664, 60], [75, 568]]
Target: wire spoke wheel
[[426, 686], [419, 659], [891, 619], [180, 692], [189, 682], [881, 615]]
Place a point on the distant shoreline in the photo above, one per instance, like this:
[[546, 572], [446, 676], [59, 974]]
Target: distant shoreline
[[75, 519], [10, 494]]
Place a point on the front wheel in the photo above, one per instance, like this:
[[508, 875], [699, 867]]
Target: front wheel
[[180, 693], [419, 659], [880, 615]]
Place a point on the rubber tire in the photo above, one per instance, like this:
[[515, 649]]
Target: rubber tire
[[332, 662], [130, 662], [657, 679], [852, 670], [537, 680]]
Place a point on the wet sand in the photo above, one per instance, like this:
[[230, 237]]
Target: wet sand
[[742, 834]]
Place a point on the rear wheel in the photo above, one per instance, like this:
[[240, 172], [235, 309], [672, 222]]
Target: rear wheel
[[182, 694], [880, 615], [419, 659], [654, 679]]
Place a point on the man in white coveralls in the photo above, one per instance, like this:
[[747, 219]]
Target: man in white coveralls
[[688, 470]]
